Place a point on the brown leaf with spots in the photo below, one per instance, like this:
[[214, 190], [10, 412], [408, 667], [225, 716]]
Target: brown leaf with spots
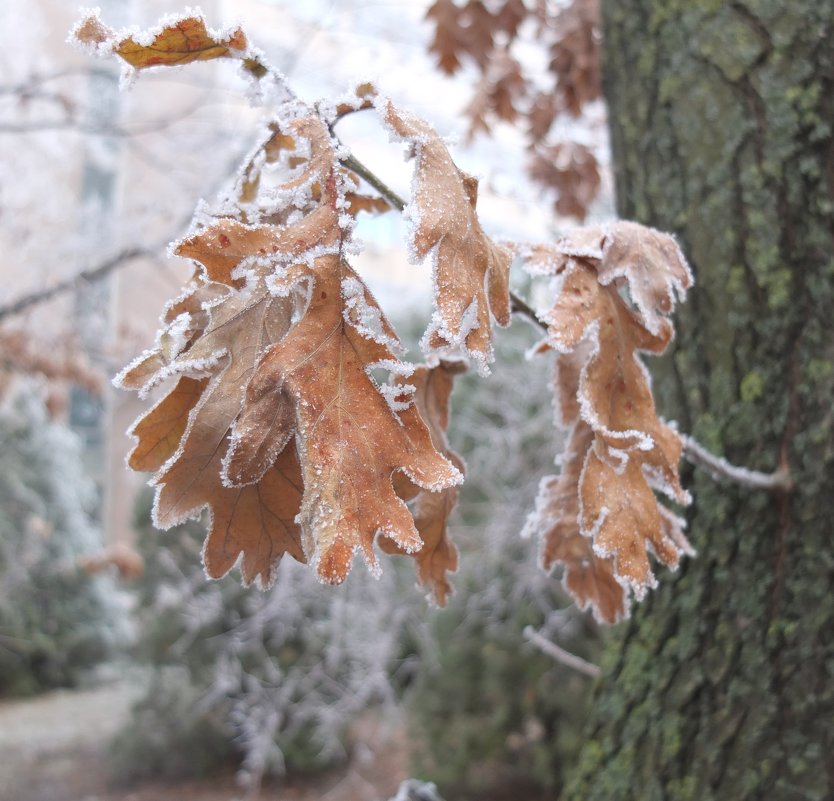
[[179, 42], [438, 556], [471, 282], [352, 435], [617, 284]]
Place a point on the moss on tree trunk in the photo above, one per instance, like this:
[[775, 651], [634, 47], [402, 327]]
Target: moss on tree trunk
[[722, 684]]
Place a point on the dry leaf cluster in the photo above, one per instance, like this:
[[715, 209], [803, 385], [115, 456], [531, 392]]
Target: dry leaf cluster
[[60, 363], [268, 412], [484, 34]]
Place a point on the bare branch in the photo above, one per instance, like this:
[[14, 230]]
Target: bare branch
[[720, 468], [562, 656], [76, 281], [415, 790]]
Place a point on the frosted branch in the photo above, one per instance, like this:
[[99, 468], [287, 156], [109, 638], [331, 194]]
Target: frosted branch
[[562, 656], [75, 282], [720, 468]]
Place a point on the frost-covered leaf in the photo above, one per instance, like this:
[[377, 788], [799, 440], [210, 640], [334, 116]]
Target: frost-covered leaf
[[587, 577], [178, 41], [159, 431], [351, 436], [616, 285], [183, 321], [362, 100], [257, 520], [276, 423], [431, 510], [471, 272]]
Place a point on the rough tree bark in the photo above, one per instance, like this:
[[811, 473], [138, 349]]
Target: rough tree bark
[[722, 685]]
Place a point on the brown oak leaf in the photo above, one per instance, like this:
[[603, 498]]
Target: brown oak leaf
[[183, 321], [471, 281], [352, 435], [179, 42], [616, 286], [572, 170], [438, 557], [588, 578], [575, 55], [187, 434]]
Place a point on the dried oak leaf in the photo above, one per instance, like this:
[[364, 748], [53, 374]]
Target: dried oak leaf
[[575, 55], [471, 280], [438, 557], [465, 30], [351, 434], [572, 170], [183, 320], [588, 578], [363, 100], [180, 41], [500, 91], [633, 452], [187, 433]]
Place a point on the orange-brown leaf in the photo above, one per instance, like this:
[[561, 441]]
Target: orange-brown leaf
[[256, 523], [183, 322], [160, 429], [572, 170], [588, 578], [372, 205], [241, 327], [471, 271], [575, 55], [365, 94], [180, 42], [438, 557], [617, 286], [350, 438]]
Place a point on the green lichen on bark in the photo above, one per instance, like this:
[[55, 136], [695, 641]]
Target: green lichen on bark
[[721, 685]]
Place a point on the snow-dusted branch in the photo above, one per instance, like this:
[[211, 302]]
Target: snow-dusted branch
[[76, 281], [562, 656], [720, 468]]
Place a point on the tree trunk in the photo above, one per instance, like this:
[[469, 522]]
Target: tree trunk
[[721, 686]]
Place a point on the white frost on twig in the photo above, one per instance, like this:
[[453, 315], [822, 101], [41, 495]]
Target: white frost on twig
[[562, 656], [720, 468]]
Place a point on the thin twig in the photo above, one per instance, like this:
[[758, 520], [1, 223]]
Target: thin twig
[[353, 163], [720, 468], [416, 790], [560, 654], [76, 281]]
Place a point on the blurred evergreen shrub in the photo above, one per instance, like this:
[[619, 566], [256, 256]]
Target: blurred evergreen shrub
[[56, 621]]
